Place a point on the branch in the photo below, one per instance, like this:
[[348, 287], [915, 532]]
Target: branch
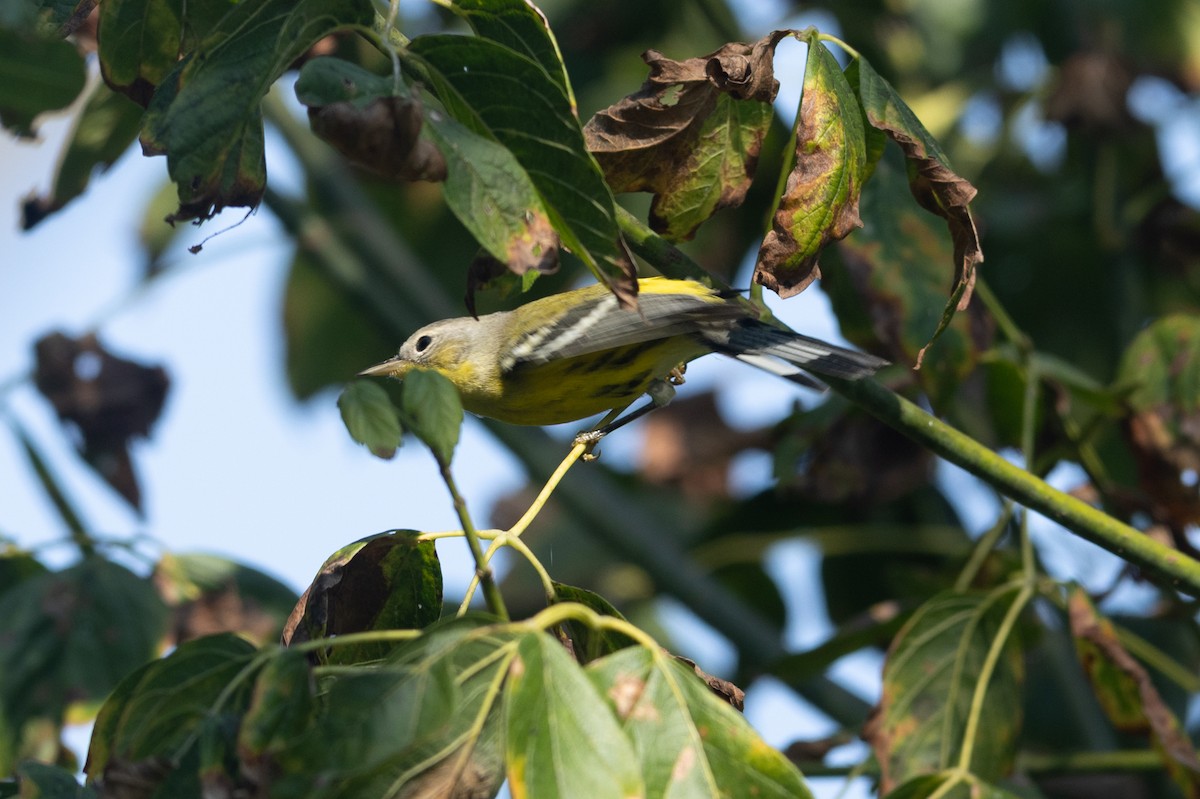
[[1022, 486]]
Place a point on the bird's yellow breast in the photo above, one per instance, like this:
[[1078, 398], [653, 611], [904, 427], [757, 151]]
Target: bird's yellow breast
[[570, 389]]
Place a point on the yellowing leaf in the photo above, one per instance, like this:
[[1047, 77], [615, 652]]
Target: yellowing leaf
[[820, 201], [1126, 693]]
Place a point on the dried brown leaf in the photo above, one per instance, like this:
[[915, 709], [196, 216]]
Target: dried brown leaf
[[109, 400], [382, 136], [691, 134]]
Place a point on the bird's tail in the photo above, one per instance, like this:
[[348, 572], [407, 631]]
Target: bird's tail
[[784, 353]]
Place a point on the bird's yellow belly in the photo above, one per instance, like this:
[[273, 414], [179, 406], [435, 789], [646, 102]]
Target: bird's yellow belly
[[570, 389]]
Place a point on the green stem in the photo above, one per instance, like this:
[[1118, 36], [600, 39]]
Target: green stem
[[1123, 760], [985, 673], [983, 548], [1027, 489], [487, 581], [1005, 322], [54, 489]]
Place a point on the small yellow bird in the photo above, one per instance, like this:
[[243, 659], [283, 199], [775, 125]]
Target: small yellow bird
[[576, 354]]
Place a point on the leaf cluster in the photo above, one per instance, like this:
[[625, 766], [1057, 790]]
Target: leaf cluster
[[1080, 348]]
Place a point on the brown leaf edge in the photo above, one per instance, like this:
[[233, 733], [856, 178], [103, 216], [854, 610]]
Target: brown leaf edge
[[830, 152], [1160, 723], [934, 184]]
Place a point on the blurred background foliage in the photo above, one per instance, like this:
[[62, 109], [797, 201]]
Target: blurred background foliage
[[1077, 120]]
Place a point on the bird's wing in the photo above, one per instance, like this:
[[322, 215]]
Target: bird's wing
[[599, 324]]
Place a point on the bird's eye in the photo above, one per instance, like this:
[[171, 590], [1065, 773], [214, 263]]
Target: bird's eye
[[423, 343]]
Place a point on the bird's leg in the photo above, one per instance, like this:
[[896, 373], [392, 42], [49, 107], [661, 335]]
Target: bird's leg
[[660, 392]]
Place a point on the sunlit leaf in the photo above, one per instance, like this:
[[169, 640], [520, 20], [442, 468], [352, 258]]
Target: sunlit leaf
[[389, 581], [688, 741], [562, 738], [518, 25]]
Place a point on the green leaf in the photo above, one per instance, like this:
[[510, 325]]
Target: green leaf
[[389, 581], [590, 644], [69, 637], [377, 725], [518, 25], [138, 44], [426, 722], [933, 183], [688, 741], [249, 601], [485, 186], [16, 567], [36, 75], [281, 710], [432, 409], [205, 114], [889, 289], [501, 94], [1127, 695], [102, 133], [43, 781], [562, 739], [929, 682], [820, 202], [1163, 427], [370, 417], [493, 196], [326, 332], [155, 714]]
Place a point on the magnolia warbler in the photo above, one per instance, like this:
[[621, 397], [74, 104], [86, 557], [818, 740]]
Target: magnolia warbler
[[576, 354]]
